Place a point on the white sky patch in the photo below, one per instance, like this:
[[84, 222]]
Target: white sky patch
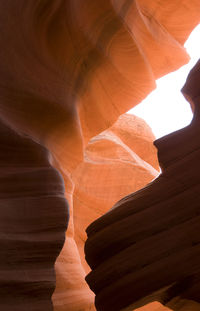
[[165, 109]]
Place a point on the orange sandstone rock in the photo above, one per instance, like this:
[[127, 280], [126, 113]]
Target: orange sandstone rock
[[68, 70], [32, 231], [147, 248], [137, 135], [111, 170]]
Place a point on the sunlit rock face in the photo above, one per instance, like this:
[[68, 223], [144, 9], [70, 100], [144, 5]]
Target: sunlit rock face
[[68, 70], [110, 170], [147, 247], [137, 135]]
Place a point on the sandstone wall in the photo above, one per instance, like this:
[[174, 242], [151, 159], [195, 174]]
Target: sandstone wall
[[68, 70]]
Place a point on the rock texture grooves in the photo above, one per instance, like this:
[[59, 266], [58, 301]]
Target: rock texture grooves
[[32, 224], [68, 70], [118, 161], [148, 247]]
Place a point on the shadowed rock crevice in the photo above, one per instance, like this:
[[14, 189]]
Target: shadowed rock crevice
[[33, 221], [69, 69]]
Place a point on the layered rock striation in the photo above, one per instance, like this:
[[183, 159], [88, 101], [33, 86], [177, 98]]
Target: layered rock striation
[[68, 70], [111, 169], [147, 248], [34, 217]]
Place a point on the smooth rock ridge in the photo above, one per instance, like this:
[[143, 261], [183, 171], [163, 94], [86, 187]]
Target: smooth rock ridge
[[148, 247]]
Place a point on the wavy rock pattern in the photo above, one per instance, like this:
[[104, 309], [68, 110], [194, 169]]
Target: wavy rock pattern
[[147, 248], [96, 187], [110, 171], [31, 228], [62, 63]]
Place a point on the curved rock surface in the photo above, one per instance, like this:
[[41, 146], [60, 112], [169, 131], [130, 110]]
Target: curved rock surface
[[62, 63], [147, 248], [31, 229], [110, 171]]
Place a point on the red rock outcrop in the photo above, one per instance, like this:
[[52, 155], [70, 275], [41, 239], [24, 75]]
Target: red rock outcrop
[[32, 230], [147, 248], [110, 171], [68, 70]]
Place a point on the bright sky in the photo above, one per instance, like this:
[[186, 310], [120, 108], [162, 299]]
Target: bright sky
[[165, 109]]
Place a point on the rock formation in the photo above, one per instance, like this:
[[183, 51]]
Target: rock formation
[[147, 247], [68, 70], [110, 171], [32, 230]]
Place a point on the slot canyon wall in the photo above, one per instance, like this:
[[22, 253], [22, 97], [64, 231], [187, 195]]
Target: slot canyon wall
[[116, 161], [147, 247], [69, 72]]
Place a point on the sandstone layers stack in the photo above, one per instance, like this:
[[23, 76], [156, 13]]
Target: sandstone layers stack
[[111, 169], [32, 230], [147, 248], [68, 70]]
